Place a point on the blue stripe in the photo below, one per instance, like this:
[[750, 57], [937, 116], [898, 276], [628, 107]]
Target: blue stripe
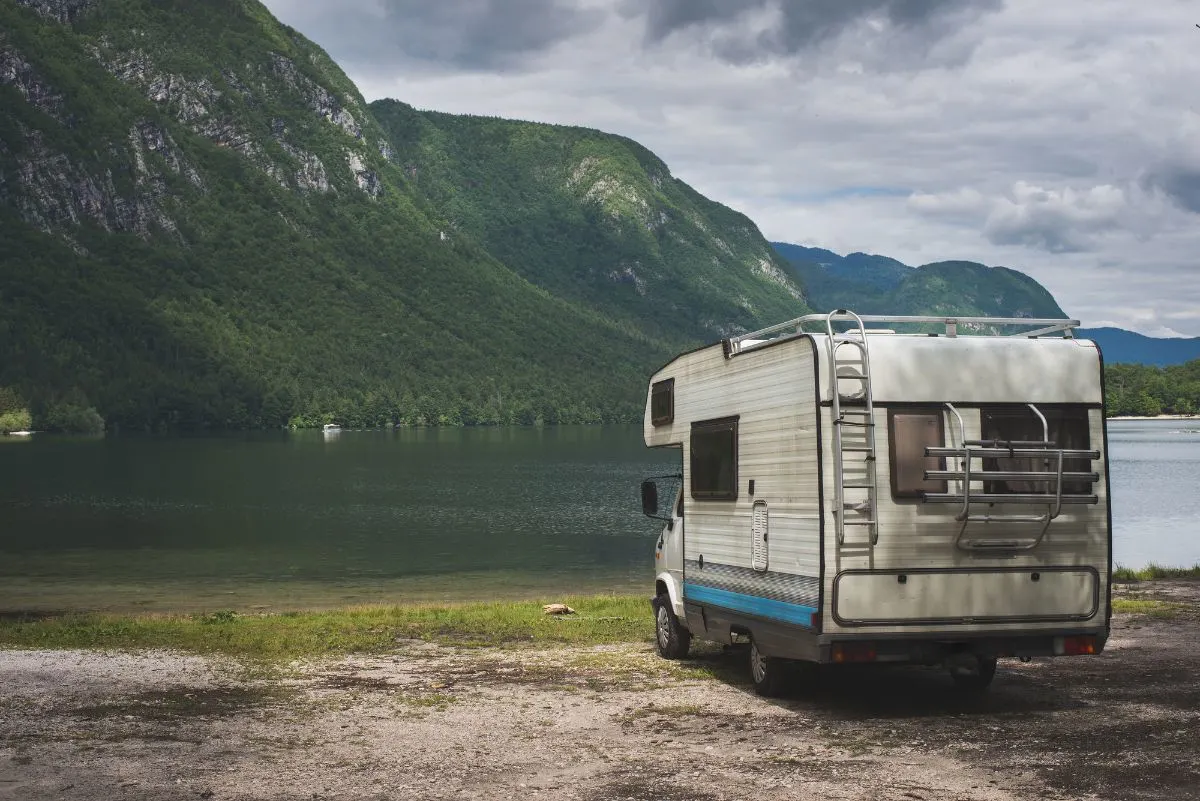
[[750, 604]]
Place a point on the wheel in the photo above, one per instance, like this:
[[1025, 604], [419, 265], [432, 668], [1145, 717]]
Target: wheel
[[672, 638], [768, 673], [974, 678]]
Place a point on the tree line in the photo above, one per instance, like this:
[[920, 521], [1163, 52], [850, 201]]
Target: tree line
[[1131, 390], [1145, 391]]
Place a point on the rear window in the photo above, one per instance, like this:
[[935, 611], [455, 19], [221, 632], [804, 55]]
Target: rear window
[[910, 432], [1069, 430], [714, 460]]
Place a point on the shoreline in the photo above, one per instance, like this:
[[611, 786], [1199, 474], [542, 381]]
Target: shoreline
[[1158, 417], [275, 637]]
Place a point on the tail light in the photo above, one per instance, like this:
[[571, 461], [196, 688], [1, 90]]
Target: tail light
[[853, 652], [1078, 645]]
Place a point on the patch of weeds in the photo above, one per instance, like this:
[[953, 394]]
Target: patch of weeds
[[665, 710], [1162, 610], [438, 701]]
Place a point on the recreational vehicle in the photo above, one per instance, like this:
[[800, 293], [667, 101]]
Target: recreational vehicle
[[856, 494]]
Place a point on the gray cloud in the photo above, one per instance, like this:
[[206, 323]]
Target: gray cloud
[[485, 33], [1180, 182], [450, 34], [791, 26]]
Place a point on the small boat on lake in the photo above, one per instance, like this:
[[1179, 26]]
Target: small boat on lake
[[20, 433], [331, 428]]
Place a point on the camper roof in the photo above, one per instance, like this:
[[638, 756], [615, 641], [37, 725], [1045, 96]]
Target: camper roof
[[978, 326]]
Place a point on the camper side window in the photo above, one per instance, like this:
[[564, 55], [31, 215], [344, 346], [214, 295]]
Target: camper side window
[[910, 432], [662, 402], [1068, 430], [714, 460]]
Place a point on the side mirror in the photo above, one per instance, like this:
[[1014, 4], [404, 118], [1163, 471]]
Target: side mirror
[[650, 498]]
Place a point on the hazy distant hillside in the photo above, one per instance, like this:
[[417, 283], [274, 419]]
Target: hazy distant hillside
[[1119, 345], [878, 272]]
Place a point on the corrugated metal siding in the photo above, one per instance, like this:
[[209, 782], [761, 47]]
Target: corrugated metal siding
[[772, 392]]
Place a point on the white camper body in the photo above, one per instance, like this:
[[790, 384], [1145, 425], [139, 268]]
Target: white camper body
[[943, 500]]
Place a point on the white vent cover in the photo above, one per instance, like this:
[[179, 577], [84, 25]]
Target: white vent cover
[[758, 534]]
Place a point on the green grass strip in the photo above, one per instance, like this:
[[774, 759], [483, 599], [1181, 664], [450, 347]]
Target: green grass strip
[[1153, 571], [371, 629]]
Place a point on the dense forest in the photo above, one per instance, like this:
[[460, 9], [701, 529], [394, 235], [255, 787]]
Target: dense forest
[[1144, 391]]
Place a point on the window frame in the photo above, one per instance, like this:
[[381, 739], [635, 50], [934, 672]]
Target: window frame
[[715, 426], [657, 390], [942, 484]]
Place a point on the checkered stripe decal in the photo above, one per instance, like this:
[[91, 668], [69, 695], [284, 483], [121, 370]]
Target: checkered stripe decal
[[802, 590]]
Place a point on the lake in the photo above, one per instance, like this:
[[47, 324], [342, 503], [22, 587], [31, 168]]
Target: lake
[[301, 519]]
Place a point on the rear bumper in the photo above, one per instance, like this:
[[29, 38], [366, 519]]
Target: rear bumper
[[936, 649]]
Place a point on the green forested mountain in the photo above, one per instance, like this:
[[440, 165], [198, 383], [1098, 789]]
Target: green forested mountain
[[881, 285], [594, 218], [202, 223]]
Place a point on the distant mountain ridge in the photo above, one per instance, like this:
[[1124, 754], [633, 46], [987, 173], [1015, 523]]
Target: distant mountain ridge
[[1129, 347], [871, 284]]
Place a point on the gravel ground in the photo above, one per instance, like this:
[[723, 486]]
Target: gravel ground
[[432, 722]]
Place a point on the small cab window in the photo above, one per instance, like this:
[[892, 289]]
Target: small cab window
[[714, 460], [1069, 430], [662, 402], [910, 432]]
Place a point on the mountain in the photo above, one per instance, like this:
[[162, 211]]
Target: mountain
[[879, 285], [596, 219], [1120, 346], [203, 224], [872, 284], [879, 272]]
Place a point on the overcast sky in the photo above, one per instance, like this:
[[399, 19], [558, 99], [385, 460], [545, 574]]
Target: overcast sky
[[1057, 138]]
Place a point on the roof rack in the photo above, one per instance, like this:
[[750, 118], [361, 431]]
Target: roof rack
[[1042, 326]]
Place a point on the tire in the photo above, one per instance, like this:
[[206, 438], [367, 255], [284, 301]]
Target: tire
[[975, 681], [672, 639], [768, 673]]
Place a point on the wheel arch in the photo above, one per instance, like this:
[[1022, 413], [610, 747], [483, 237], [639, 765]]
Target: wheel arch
[[666, 583]]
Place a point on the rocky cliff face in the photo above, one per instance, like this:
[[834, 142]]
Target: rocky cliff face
[[126, 186], [63, 11]]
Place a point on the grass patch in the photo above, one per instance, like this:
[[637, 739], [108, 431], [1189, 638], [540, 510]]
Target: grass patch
[[1152, 571], [373, 629], [1159, 609]]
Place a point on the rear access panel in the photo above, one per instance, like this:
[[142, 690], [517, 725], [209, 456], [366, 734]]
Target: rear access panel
[[965, 596]]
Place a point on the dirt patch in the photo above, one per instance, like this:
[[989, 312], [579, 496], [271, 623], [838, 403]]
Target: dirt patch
[[613, 722], [184, 703]]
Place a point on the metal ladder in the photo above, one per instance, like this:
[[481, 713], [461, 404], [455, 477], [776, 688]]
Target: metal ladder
[[853, 430], [1051, 475]]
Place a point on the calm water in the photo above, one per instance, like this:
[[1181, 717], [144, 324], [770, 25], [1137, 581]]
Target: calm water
[[280, 520]]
